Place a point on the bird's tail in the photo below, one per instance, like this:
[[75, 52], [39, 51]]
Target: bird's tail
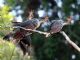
[[7, 37], [24, 45]]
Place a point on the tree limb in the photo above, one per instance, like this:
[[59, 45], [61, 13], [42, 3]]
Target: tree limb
[[45, 33], [69, 41]]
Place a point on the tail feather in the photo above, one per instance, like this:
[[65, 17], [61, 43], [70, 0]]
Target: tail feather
[[7, 37], [24, 44]]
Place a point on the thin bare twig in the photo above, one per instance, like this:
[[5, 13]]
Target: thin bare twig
[[69, 41], [45, 33]]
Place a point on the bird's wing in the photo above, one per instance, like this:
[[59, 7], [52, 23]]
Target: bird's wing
[[56, 26]]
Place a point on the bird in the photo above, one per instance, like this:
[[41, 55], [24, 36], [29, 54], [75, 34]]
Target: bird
[[20, 36], [57, 25]]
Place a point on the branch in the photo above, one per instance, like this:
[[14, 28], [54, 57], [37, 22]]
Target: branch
[[45, 33], [69, 41]]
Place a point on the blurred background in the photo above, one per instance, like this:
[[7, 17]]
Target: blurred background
[[54, 47]]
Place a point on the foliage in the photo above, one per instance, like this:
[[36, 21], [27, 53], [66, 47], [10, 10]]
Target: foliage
[[10, 3], [9, 52], [5, 20]]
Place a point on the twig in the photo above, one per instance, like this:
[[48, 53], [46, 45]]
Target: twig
[[69, 41], [45, 33]]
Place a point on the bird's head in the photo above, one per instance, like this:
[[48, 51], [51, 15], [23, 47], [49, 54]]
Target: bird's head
[[31, 14], [46, 18]]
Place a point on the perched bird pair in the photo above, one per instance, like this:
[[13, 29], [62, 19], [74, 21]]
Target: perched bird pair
[[20, 34]]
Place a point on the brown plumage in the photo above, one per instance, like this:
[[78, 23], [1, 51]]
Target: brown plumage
[[56, 26]]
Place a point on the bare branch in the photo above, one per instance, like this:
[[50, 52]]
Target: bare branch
[[69, 41], [45, 33]]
